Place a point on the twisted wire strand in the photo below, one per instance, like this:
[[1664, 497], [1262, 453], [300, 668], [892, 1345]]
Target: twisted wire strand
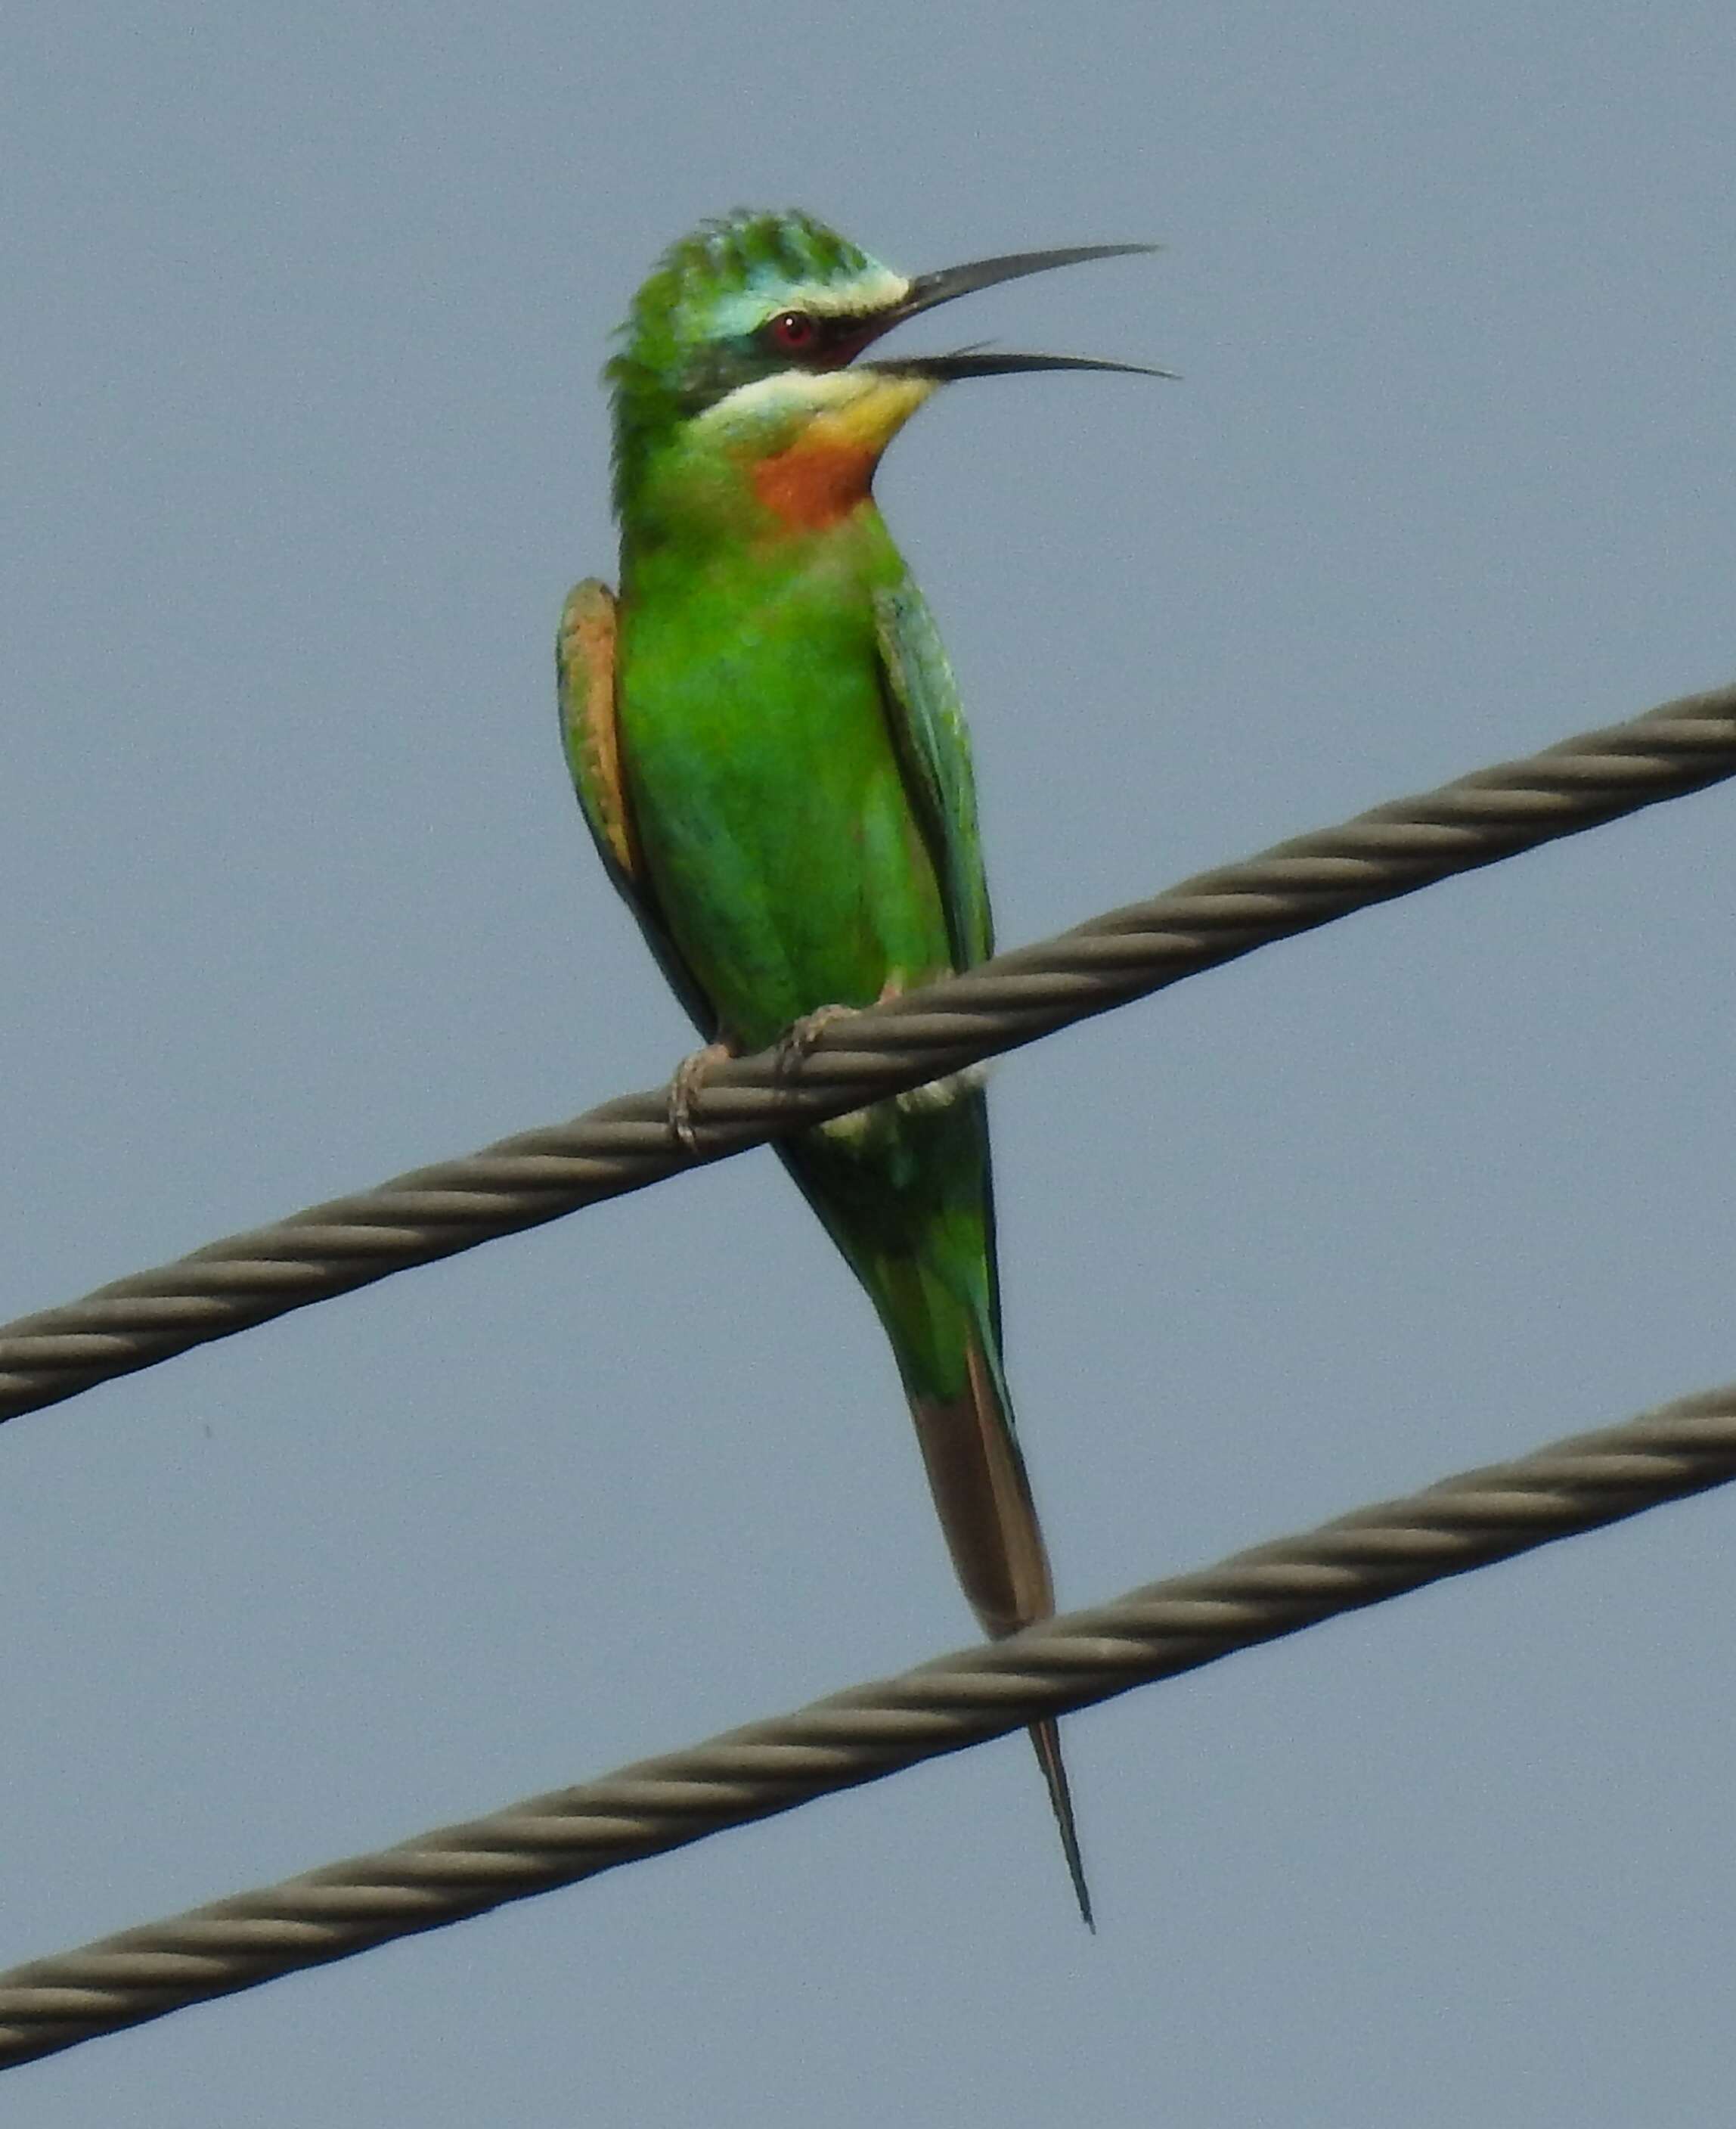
[[1174, 1626], [539, 1175]]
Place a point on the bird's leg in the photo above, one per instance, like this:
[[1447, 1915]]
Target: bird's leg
[[690, 1076], [798, 1039]]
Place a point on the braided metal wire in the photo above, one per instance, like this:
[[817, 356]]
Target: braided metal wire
[[539, 1175], [1464, 1523]]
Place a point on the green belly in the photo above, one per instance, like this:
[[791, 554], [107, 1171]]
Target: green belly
[[765, 786]]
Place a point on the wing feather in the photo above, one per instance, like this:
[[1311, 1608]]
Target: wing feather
[[585, 665], [934, 746]]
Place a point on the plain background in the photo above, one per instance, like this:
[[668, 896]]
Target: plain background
[[303, 445]]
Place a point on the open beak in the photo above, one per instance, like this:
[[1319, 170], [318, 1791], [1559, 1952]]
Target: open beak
[[928, 290]]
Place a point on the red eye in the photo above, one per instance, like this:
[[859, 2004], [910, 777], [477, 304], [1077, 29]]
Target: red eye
[[794, 330]]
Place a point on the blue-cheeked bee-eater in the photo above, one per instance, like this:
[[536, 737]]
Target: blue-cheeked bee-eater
[[768, 745]]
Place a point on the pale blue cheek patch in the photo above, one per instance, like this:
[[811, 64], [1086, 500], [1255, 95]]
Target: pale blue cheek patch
[[746, 310]]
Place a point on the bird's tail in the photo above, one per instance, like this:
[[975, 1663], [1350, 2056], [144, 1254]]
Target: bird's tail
[[908, 1200], [981, 1488]]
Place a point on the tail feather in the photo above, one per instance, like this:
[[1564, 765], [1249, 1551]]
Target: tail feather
[[906, 1196], [1046, 1736], [983, 1497]]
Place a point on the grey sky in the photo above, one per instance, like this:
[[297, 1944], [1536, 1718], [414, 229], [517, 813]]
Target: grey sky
[[301, 444]]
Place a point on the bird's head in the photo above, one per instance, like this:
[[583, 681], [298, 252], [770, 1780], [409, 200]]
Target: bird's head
[[742, 349]]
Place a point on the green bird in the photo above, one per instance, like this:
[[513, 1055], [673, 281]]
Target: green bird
[[768, 747]]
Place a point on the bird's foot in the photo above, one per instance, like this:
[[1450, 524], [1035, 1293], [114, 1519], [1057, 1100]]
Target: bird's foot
[[798, 1039], [796, 1042], [691, 1074]]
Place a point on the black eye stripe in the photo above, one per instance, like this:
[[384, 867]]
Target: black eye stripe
[[820, 333], [831, 340]]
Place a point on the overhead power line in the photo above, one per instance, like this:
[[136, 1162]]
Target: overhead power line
[[539, 1175], [1174, 1626]]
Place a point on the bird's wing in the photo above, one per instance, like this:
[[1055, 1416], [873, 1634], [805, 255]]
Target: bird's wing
[[922, 703], [591, 737]]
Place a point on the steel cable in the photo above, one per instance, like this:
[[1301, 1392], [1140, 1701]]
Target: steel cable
[[1177, 1625], [539, 1175]]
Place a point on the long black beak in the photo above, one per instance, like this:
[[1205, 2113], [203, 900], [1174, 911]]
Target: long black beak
[[928, 290]]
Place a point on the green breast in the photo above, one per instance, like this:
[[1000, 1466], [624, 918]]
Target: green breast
[[760, 765]]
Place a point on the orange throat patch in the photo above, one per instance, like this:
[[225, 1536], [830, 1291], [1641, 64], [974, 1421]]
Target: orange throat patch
[[818, 480]]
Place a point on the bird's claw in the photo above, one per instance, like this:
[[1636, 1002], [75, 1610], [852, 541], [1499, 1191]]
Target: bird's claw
[[796, 1042], [691, 1074]]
